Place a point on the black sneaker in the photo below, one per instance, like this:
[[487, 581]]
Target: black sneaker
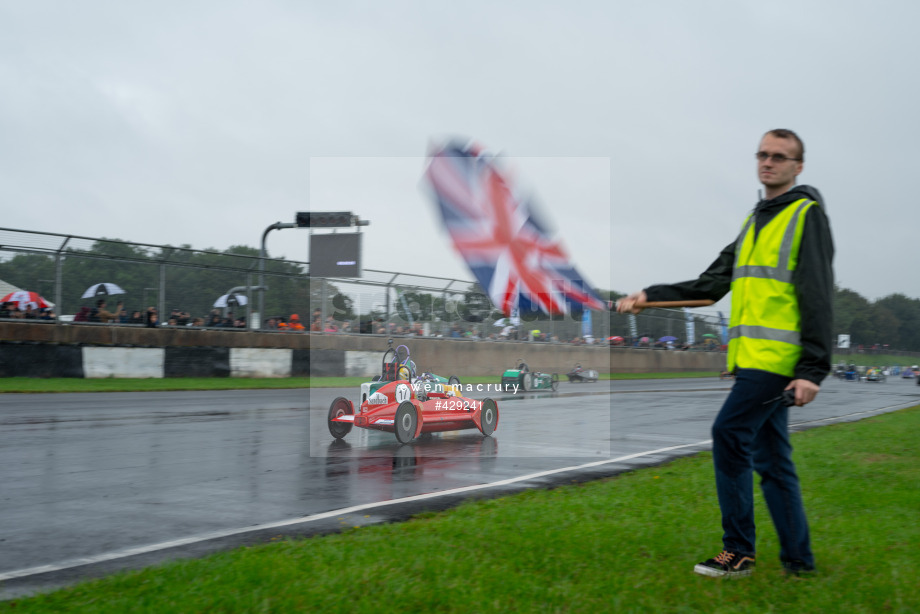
[[798, 568], [726, 564]]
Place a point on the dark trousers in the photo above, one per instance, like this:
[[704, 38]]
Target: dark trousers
[[751, 433]]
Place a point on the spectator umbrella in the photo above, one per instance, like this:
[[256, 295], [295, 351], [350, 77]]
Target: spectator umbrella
[[24, 298], [240, 299], [101, 289]]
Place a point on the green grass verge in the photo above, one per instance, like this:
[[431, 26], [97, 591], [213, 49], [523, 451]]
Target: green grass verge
[[626, 544], [28, 384]]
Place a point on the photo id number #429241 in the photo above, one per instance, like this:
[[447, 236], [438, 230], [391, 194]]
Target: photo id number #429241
[[451, 405]]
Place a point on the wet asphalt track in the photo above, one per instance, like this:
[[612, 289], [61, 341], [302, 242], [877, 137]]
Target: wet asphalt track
[[94, 483]]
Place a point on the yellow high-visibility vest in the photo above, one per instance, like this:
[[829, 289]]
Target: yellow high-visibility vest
[[765, 327]]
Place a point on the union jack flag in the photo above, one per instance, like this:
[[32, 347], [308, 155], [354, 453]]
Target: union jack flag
[[507, 248]]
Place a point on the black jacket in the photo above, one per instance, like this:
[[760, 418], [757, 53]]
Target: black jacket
[[813, 279]]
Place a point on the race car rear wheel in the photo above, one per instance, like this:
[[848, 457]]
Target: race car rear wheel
[[453, 380], [406, 422], [555, 382], [340, 407], [488, 416], [527, 382]]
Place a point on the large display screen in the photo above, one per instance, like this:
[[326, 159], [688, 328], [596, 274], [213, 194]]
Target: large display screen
[[335, 255]]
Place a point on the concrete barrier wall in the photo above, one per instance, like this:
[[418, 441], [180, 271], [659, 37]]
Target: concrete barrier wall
[[260, 362], [99, 362], [196, 362], [55, 351], [17, 360], [45, 360], [462, 357], [164, 336], [361, 363], [329, 363]]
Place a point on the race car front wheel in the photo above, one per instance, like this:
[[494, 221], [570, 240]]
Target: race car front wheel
[[406, 422], [555, 382], [340, 407]]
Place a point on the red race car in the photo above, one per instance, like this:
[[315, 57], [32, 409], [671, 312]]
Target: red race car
[[409, 408]]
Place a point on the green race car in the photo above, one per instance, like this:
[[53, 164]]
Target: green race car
[[522, 378]]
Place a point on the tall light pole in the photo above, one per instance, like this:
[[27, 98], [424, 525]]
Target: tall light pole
[[262, 253]]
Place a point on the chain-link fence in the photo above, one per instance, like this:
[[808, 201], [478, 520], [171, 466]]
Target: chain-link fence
[[183, 286]]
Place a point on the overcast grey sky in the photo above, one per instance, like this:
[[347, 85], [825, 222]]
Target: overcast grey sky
[[634, 123]]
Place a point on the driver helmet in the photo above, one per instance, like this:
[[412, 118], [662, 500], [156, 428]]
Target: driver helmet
[[410, 364]]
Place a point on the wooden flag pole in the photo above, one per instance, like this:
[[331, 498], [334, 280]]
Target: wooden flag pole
[[665, 304], [694, 303]]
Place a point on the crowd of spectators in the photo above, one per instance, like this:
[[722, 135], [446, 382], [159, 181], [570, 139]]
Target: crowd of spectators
[[30, 312], [150, 317], [99, 312]]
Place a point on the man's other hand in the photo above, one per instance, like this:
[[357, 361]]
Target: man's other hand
[[805, 391]]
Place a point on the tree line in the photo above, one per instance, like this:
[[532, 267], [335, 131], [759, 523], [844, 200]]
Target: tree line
[[893, 320], [192, 280]]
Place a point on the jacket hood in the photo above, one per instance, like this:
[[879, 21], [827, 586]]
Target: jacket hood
[[797, 192]]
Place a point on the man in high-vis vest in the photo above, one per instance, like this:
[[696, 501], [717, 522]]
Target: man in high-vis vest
[[779, 271]]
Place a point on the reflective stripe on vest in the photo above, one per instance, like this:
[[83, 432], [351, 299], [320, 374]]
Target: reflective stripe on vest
[[764, 329], [766, 333]]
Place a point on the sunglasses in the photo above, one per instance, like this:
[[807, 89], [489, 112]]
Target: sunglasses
[[777, 158]]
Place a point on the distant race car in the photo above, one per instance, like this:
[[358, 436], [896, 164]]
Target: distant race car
[[526, 380], [875, 375], [909, 372], [410, 407], [579, 374]]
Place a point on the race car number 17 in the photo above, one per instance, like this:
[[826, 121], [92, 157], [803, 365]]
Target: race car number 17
[[402, 393]]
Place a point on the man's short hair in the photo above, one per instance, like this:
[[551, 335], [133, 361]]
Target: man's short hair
[[783, 133]]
